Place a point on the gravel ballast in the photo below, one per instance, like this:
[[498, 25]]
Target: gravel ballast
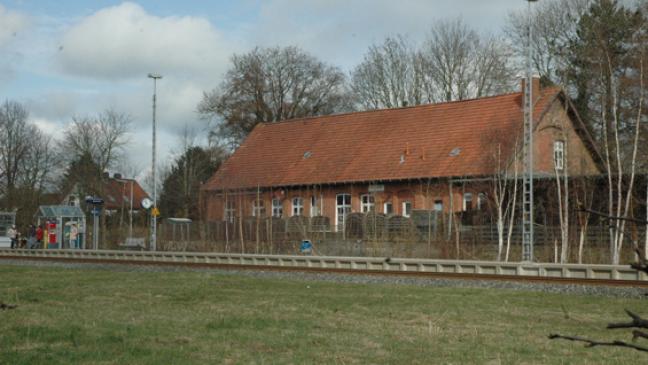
[[598, 290]]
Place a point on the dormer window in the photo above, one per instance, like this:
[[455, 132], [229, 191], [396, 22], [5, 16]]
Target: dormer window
[[559, 155]]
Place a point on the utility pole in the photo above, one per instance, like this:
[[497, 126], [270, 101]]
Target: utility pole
[[154, 211], [527, 153]]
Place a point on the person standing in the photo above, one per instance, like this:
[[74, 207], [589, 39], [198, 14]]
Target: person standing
[[39, 237], [74, 234], [13, 235], [31, 237]]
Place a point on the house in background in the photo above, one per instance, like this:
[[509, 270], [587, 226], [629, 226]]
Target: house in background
[[394, 161], [117, 192]]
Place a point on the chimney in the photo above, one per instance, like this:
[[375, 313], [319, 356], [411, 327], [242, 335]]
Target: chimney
[[535, 86]]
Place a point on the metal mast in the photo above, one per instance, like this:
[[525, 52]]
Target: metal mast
[[153, 245], [527, 154]]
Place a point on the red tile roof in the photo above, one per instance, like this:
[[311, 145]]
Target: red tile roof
[[367, 146], [117, 193]]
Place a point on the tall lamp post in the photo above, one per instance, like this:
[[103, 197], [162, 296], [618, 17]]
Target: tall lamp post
[[154, 211]]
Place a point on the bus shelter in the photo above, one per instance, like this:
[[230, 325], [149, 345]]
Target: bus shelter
[[64, 226], [182, 226]]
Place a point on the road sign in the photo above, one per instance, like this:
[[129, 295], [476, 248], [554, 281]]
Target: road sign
[[155, 212]]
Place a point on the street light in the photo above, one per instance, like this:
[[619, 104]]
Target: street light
[[154, 211]]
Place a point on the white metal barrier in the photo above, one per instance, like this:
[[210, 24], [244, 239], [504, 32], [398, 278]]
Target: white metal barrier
[[614, 272]]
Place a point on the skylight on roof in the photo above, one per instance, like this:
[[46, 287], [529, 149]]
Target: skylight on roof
[[307, 154], [455, 152]]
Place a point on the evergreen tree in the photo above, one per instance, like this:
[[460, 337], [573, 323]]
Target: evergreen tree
[[601, 60], [84, 174], [181, 187]]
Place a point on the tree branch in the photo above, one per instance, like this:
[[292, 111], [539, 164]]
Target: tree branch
[[593, 343], [637, 322]]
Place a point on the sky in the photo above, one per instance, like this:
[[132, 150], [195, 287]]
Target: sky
[[65, 59]]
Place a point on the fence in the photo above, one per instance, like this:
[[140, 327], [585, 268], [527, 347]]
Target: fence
[[269, 234]]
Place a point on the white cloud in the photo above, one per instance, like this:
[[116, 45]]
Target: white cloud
[[125, 41], [11, 22], [340, 31], [49, 127]]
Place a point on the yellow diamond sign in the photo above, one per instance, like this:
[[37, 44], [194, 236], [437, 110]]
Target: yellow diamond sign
[[155, 212]]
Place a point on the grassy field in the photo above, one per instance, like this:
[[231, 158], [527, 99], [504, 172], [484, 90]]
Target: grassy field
[[67, 316]]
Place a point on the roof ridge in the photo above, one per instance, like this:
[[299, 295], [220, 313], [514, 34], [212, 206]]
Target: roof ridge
[[304, 119]]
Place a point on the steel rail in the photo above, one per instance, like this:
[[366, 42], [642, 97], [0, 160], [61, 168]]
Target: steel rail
[[573, 274]]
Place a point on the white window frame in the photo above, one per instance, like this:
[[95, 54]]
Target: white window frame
[[314, 206], [481, 200], [559, 155], [297, 206], [367, 203], [341, 210], [467, 197], [230, 211], [277, 208], [258, 207], [391, 207], [404, 206]]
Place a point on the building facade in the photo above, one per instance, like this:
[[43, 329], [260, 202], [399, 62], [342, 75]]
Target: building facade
[[440, 157]]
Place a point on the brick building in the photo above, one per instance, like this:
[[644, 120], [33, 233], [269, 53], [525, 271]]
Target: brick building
[[392, 161]]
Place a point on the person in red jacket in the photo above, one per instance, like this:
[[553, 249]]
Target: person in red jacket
[[39, 237]]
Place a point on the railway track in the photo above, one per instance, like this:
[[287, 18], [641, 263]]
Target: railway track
[[567, 274]]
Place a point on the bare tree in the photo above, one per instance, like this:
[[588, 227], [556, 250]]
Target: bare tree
[[491, 71], [460, 64], [618, 230], [16, 136], [585, 198], [269, 85], [40, 161], [390, 76], [638, 323], [103, 137], [505, 189], [553, 26]]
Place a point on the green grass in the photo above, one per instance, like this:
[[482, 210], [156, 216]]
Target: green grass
[[69, 316]]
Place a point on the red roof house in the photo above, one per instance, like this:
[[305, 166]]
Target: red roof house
[[383, 160], [117, 193]]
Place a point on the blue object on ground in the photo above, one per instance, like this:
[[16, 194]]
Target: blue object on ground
[[306, 246]]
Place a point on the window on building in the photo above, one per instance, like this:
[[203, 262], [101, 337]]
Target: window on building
[[407, 208], [342, 208], [258, 208], [314, 207], [559, 154], [467, 201], [277, 208], [481, 201], [388, 208], [367, 203], [297, 206], [438, 205], [230, 211]]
